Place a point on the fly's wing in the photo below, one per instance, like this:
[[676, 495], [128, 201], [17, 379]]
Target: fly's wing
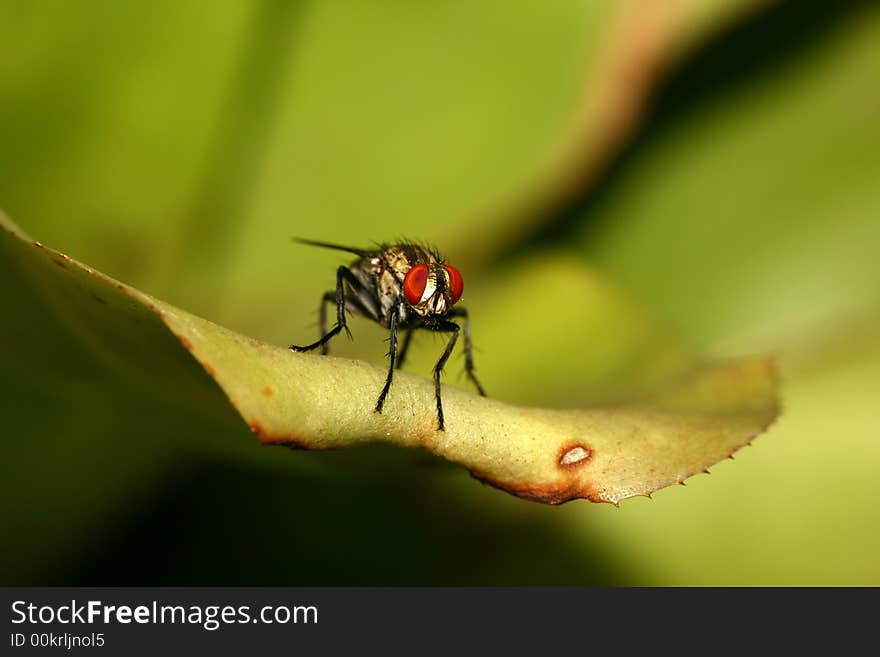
[[338, 247], [361, 296], [364, 296]]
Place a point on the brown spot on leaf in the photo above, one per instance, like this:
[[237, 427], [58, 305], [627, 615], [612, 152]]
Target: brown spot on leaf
[[59, 263], [185, 342], [549, 493], [267, 391], [573, 455], [570, 458], [210, 369], [98, 299], [268, 439], [290, 443], [39, 245]]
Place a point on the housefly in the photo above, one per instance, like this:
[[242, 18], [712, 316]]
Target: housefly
[[401, 287]]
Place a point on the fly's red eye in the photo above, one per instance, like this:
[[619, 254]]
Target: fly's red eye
[[414, 283], [455, 282]]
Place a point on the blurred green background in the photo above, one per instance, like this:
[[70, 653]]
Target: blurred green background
[[713, 166]]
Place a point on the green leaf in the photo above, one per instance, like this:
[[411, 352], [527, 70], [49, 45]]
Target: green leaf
[[604, 454]]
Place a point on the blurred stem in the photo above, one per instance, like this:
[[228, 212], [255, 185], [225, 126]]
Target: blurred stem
[[651, 88], [639, 46]]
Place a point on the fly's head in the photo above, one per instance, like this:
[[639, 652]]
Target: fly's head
[[432, 288]]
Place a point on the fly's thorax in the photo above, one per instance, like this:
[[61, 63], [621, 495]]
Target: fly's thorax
[[413, 278], [400, 258], [389, 290], [379, 291], [367, 271]]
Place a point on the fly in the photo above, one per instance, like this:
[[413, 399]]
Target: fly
[[401, 287]]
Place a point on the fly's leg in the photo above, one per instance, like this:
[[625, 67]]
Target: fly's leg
[[353, 303], [468, 350], [343, 275], [322, 319], [404, 348], [392, 353], [446, 327]]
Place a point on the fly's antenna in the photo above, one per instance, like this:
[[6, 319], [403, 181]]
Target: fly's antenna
[[327, 245]]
